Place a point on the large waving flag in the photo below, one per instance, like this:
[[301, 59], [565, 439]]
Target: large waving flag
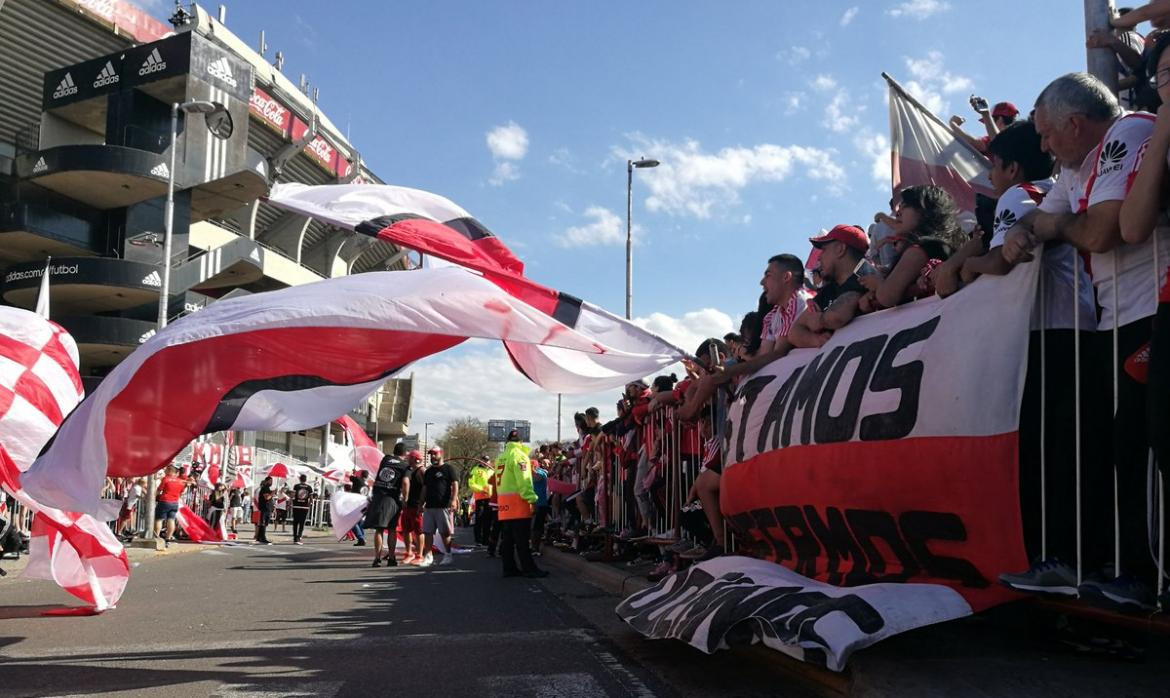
[[924, 151], [39, 384], [435, 226], [288, 360], [367, 455]]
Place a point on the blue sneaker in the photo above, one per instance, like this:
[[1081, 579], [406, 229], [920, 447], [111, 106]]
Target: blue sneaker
[[1044, 577], [1124, 593]]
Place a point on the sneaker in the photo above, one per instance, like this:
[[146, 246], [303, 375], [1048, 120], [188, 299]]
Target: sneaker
[[377, 563], [1044, 577], [359, 544], [297, 542], [663, 570], [410, 558], [447, 559], [1124, 593], [391, 561], [427, 561]]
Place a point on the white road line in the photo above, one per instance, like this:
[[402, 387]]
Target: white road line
[[279, 689]]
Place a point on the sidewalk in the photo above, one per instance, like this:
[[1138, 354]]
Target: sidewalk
[[1013, 650]]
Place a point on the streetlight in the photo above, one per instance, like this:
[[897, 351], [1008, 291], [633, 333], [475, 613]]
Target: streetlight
[[630, 166], [219, 123], [426, 434]]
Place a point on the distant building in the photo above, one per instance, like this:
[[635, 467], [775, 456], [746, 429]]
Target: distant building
[[86, 88]]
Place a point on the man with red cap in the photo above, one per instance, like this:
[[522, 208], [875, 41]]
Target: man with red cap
[[842, 262], [412, 509]]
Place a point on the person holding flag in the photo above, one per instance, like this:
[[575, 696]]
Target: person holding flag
[[516, 499]]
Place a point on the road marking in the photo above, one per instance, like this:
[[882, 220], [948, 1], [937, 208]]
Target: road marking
[[308, 689]]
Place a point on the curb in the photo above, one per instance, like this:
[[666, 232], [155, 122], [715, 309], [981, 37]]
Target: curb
[[599, 574]]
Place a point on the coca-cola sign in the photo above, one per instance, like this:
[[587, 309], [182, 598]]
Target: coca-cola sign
[[271, 112], [320, 150]]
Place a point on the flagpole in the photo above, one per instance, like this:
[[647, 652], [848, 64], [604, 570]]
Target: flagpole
[[43, 295], [934, 117]]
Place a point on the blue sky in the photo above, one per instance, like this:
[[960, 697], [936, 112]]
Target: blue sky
[[769, 117]]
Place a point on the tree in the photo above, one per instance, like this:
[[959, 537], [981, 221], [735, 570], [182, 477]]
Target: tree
[[466, 438]]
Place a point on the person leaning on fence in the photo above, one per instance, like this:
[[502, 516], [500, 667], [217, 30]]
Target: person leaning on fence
[[1100, 147]]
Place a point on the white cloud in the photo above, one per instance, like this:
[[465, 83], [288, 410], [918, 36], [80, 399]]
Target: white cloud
[[505, 171], [693, 182], [841, 115], [689, 331], [793, 102], [794, 55], [823, 83], [508, 144], [849, 15], [918, 9], [604, 228], [478, 380], [876, 149], [931, 82]]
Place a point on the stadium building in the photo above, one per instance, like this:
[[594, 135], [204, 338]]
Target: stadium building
[[86, 88]]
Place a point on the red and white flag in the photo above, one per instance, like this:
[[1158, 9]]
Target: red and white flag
[[924, 151], [292, 359], [435, 226], [39, 385], [367, 455]]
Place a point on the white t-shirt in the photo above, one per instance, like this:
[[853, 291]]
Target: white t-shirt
[[133, 495], [1106, 175], [1059, 262]]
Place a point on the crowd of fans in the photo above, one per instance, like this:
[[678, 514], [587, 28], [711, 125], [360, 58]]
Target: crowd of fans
[[1080, 188]]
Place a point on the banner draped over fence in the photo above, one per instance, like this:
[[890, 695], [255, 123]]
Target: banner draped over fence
[[890, 454]]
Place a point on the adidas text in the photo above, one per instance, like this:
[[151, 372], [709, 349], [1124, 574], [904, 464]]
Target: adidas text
[[222, 70], [153, 63], [65, 88], [107, 76]]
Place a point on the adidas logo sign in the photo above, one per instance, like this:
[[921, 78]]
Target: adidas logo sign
[[152, 279], [161, 170], [65, 88], [145, 336], [153, 63], [40, 166], [108, 76], [222, 70]]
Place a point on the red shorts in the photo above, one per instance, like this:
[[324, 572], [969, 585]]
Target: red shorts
[[411, 521]]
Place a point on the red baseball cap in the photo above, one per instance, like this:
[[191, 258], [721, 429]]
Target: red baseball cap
[[416, 454], [850, 235], [1006, 109], [435, 449]]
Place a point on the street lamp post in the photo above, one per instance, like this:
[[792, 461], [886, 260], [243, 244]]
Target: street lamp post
[[192, 107], [426, 435], [631, 165]]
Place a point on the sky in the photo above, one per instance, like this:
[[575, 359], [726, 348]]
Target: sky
[[769, 118]]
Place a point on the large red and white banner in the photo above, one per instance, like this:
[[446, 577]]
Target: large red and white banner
[[924, 151], [890, 454], [289, 360]]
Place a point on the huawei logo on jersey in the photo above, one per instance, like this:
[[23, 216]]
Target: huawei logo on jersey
[[1111, 157], [1005, 220]]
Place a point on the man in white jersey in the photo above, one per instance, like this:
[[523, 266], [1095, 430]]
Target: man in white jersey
[[1099, 148]]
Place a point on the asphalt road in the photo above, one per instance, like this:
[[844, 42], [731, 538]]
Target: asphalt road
[[318, 620]]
